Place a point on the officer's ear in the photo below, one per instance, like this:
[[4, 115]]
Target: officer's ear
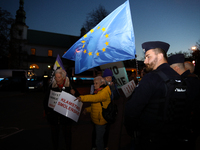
[[160, 56]]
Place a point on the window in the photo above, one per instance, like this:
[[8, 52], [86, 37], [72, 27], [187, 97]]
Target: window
[[50, 52], [34, 66], [32, 51]]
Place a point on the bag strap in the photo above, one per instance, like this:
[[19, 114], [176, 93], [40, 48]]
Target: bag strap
[[164, 78]]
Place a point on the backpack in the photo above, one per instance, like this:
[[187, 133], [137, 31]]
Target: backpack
[[170, 112], [110, 113], [173, 108]]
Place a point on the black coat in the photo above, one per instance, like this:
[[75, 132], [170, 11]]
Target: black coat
[[54, 117], [151, 87]]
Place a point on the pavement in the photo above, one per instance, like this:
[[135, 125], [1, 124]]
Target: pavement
[[23, 126]]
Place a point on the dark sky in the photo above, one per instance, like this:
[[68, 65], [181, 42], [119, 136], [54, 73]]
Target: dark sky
[[174, 21]]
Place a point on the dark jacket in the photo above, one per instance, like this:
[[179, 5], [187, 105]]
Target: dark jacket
[[54, 117], [150, 88]]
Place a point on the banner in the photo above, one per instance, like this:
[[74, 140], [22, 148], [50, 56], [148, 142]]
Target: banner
[[128, 88], [68, 107], [119, 72], [53, 98]]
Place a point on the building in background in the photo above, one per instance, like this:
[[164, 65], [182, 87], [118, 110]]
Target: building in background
[[37, 50]]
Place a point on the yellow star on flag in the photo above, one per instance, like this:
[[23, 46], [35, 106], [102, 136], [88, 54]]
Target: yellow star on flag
[[103, 29], [98, 27], [90, 53], [106, 43], [106, 35], [82, 41], [84, 51], [104, 49], [83, 46], [85, 36], [92, 30], [97, 53]]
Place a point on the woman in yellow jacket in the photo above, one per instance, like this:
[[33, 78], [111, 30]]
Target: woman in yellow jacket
[[102, 94]]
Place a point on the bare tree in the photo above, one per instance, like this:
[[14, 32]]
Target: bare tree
[[94, 17], [6, 21]]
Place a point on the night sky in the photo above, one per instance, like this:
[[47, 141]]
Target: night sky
[[174, 21]]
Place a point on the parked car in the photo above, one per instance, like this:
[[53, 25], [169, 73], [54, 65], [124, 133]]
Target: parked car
[[35, 83], [11, 83]]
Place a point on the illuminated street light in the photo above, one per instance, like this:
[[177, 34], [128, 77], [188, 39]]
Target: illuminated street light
[[194, 48]]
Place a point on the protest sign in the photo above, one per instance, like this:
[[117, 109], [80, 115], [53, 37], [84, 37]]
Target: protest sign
[[68, 107], [53, 98], [119, 72], [128, 88]]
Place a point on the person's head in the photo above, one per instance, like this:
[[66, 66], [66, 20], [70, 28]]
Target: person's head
[[107, 75], [98, 81], [155, 54], [143, 72], [60, 76], [189, 66], [176, 62]]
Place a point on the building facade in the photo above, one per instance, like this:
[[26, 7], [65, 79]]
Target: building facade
[[35, 49]]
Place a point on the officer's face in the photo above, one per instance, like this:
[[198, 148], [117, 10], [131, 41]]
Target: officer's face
[[150, 60]]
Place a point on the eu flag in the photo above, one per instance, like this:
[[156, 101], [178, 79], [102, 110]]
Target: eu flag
[[111, 40]]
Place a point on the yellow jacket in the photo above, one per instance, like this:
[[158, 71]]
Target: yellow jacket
[[96, 109]]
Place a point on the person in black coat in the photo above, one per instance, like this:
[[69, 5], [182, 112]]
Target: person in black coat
[[56, 120], [141, 111], [193, 88]]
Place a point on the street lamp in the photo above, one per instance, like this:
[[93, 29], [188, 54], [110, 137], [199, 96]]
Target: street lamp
[[194, 48]]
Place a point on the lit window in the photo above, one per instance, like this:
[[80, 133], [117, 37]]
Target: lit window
[[50, 52], [32, 51]]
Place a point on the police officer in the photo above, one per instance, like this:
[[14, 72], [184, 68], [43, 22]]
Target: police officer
[[142, 117], [193, 89]]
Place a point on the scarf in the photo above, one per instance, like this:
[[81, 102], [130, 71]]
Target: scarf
[[61, 86]]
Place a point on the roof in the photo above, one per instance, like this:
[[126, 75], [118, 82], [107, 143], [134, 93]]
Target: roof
[[50, 39]]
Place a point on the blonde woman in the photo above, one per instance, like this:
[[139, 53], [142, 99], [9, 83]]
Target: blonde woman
[[58, 121]]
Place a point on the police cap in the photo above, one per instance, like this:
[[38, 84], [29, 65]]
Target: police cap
[[178, 58], [155, 44]]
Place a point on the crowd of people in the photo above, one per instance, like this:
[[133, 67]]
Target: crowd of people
[[162, 112]]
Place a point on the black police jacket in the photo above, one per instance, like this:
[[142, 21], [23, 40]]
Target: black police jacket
[[151, 87]]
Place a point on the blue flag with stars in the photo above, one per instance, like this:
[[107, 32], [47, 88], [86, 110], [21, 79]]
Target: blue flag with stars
[[111, 40]]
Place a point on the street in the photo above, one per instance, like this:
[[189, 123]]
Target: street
[[24, 127]]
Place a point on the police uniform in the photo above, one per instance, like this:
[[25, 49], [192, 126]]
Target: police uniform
[[151, 131], [193, 89]]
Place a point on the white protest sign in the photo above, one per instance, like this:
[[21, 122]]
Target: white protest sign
[[53, 98], [128, 88], [68, 107], [119, 72]]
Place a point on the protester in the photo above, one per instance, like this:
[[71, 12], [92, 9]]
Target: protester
[[56, 120], [189, 66], [102, 94], [142, 73], [110, 80], [133, 76], [147, 118]]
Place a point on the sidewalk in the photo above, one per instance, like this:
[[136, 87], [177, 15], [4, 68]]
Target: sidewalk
[[36, 134]]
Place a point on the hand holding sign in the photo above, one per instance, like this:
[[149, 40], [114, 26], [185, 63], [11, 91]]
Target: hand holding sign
[[78, 98], [67, 106]]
